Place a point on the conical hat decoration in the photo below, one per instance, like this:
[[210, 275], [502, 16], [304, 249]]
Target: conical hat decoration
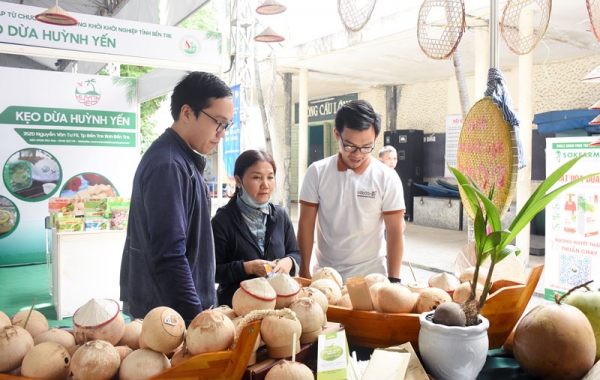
[[444, 281], [488, 154], [96, 313], [284, 285], [259, 288]]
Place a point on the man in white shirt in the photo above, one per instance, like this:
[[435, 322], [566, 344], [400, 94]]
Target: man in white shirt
[[356, 198]]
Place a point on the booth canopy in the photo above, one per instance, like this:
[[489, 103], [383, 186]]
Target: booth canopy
[[559, 121]]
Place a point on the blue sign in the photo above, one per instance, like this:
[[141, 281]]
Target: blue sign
[[231, 145]]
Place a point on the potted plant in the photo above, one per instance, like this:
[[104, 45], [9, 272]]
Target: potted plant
[[491, 242]]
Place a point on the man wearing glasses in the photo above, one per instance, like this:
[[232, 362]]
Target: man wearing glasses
[[169, 258], [356, 199]]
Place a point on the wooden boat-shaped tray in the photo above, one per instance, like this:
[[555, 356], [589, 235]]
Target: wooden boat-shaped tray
[[226, 364], [503, 308]]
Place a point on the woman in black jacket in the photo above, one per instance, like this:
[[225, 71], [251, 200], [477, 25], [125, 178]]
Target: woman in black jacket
[[251, 234]]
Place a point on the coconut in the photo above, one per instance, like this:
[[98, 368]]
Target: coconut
[[179, 356], [463, 291], [73, 349], [374, 291], [310, 315], [36, 324], [345, 302], [430, 298], [123, 351], [56, 335], [278, 334], [131, 335], [47, 360], [286, 288], [15, 342], [254, 294], [162, 329], [210, 331], [327, 273], [95, 360], [444, 281], [344, 290], [329, 288], [237, 323], [99, 319], [449, 314], [373, 278], [142, 364], [467, 275], [227, 311], [395, 298], [416, 286], [4, 320], [288, 370]]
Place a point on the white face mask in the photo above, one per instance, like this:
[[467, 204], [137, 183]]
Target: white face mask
[[251, 202]]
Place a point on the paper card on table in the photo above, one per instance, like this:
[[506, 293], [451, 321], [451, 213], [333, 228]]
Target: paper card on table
[[332, 356], [415, 370], [386, 364]]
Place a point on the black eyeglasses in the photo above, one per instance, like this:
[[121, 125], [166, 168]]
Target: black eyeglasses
[[353, 149], [221, 125]]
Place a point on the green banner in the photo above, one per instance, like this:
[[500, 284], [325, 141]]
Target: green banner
[[76, 137], [66, 117]]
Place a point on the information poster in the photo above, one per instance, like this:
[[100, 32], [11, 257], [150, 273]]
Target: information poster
[[573, 218], [453, 125], [63, 135]]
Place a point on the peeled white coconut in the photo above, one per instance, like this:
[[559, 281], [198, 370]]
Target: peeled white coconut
[[56, 335], [95, 360], [15, 342], [374, 291], [444, 281], [288, 370], [430, 298], [229, 312], [395, 298], [99, 319], [237, 323], [317, 295], [123, 351], [36, 324], [327, 273], [47, 360], [73, 349], [310, 315], [463, 291], [416, 286], [373, 278], [210, 331], [131, 335], [278, 334], [467, 275], [329, 287], [142, 364], [162, 329], [4, 320], [253, 294], [345, 302], [286, 288]]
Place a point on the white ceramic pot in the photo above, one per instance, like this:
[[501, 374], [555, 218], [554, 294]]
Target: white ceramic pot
[[452, 352]]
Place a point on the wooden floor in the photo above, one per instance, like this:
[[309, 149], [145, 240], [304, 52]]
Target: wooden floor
[[20, 285]]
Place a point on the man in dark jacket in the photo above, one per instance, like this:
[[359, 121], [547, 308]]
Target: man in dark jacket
[[169, 259]]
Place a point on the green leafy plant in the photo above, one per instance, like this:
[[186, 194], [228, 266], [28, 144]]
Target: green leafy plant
[[491, 241]]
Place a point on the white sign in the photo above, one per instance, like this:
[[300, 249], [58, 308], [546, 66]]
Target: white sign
[[107, 35], [62, 135], [453, 125], [573, 218]]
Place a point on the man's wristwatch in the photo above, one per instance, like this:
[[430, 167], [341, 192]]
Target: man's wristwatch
[[394, 280]]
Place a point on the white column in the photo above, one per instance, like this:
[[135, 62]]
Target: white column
[[526, 118], [482, 61], [303, 128]]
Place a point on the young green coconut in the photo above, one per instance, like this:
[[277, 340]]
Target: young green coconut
[[495, 244]]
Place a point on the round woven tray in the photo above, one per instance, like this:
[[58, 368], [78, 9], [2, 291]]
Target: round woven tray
[[488, 154]]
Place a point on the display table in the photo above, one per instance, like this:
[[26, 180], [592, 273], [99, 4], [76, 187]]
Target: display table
[[85, 265]]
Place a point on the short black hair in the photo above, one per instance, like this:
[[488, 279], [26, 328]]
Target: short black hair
[[249, 158], [358, 115], [197, 89]]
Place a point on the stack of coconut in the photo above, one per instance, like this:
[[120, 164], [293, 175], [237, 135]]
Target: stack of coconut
[[383, 296]]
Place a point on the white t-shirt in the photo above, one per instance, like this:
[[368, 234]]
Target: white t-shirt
[[350, 227]]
